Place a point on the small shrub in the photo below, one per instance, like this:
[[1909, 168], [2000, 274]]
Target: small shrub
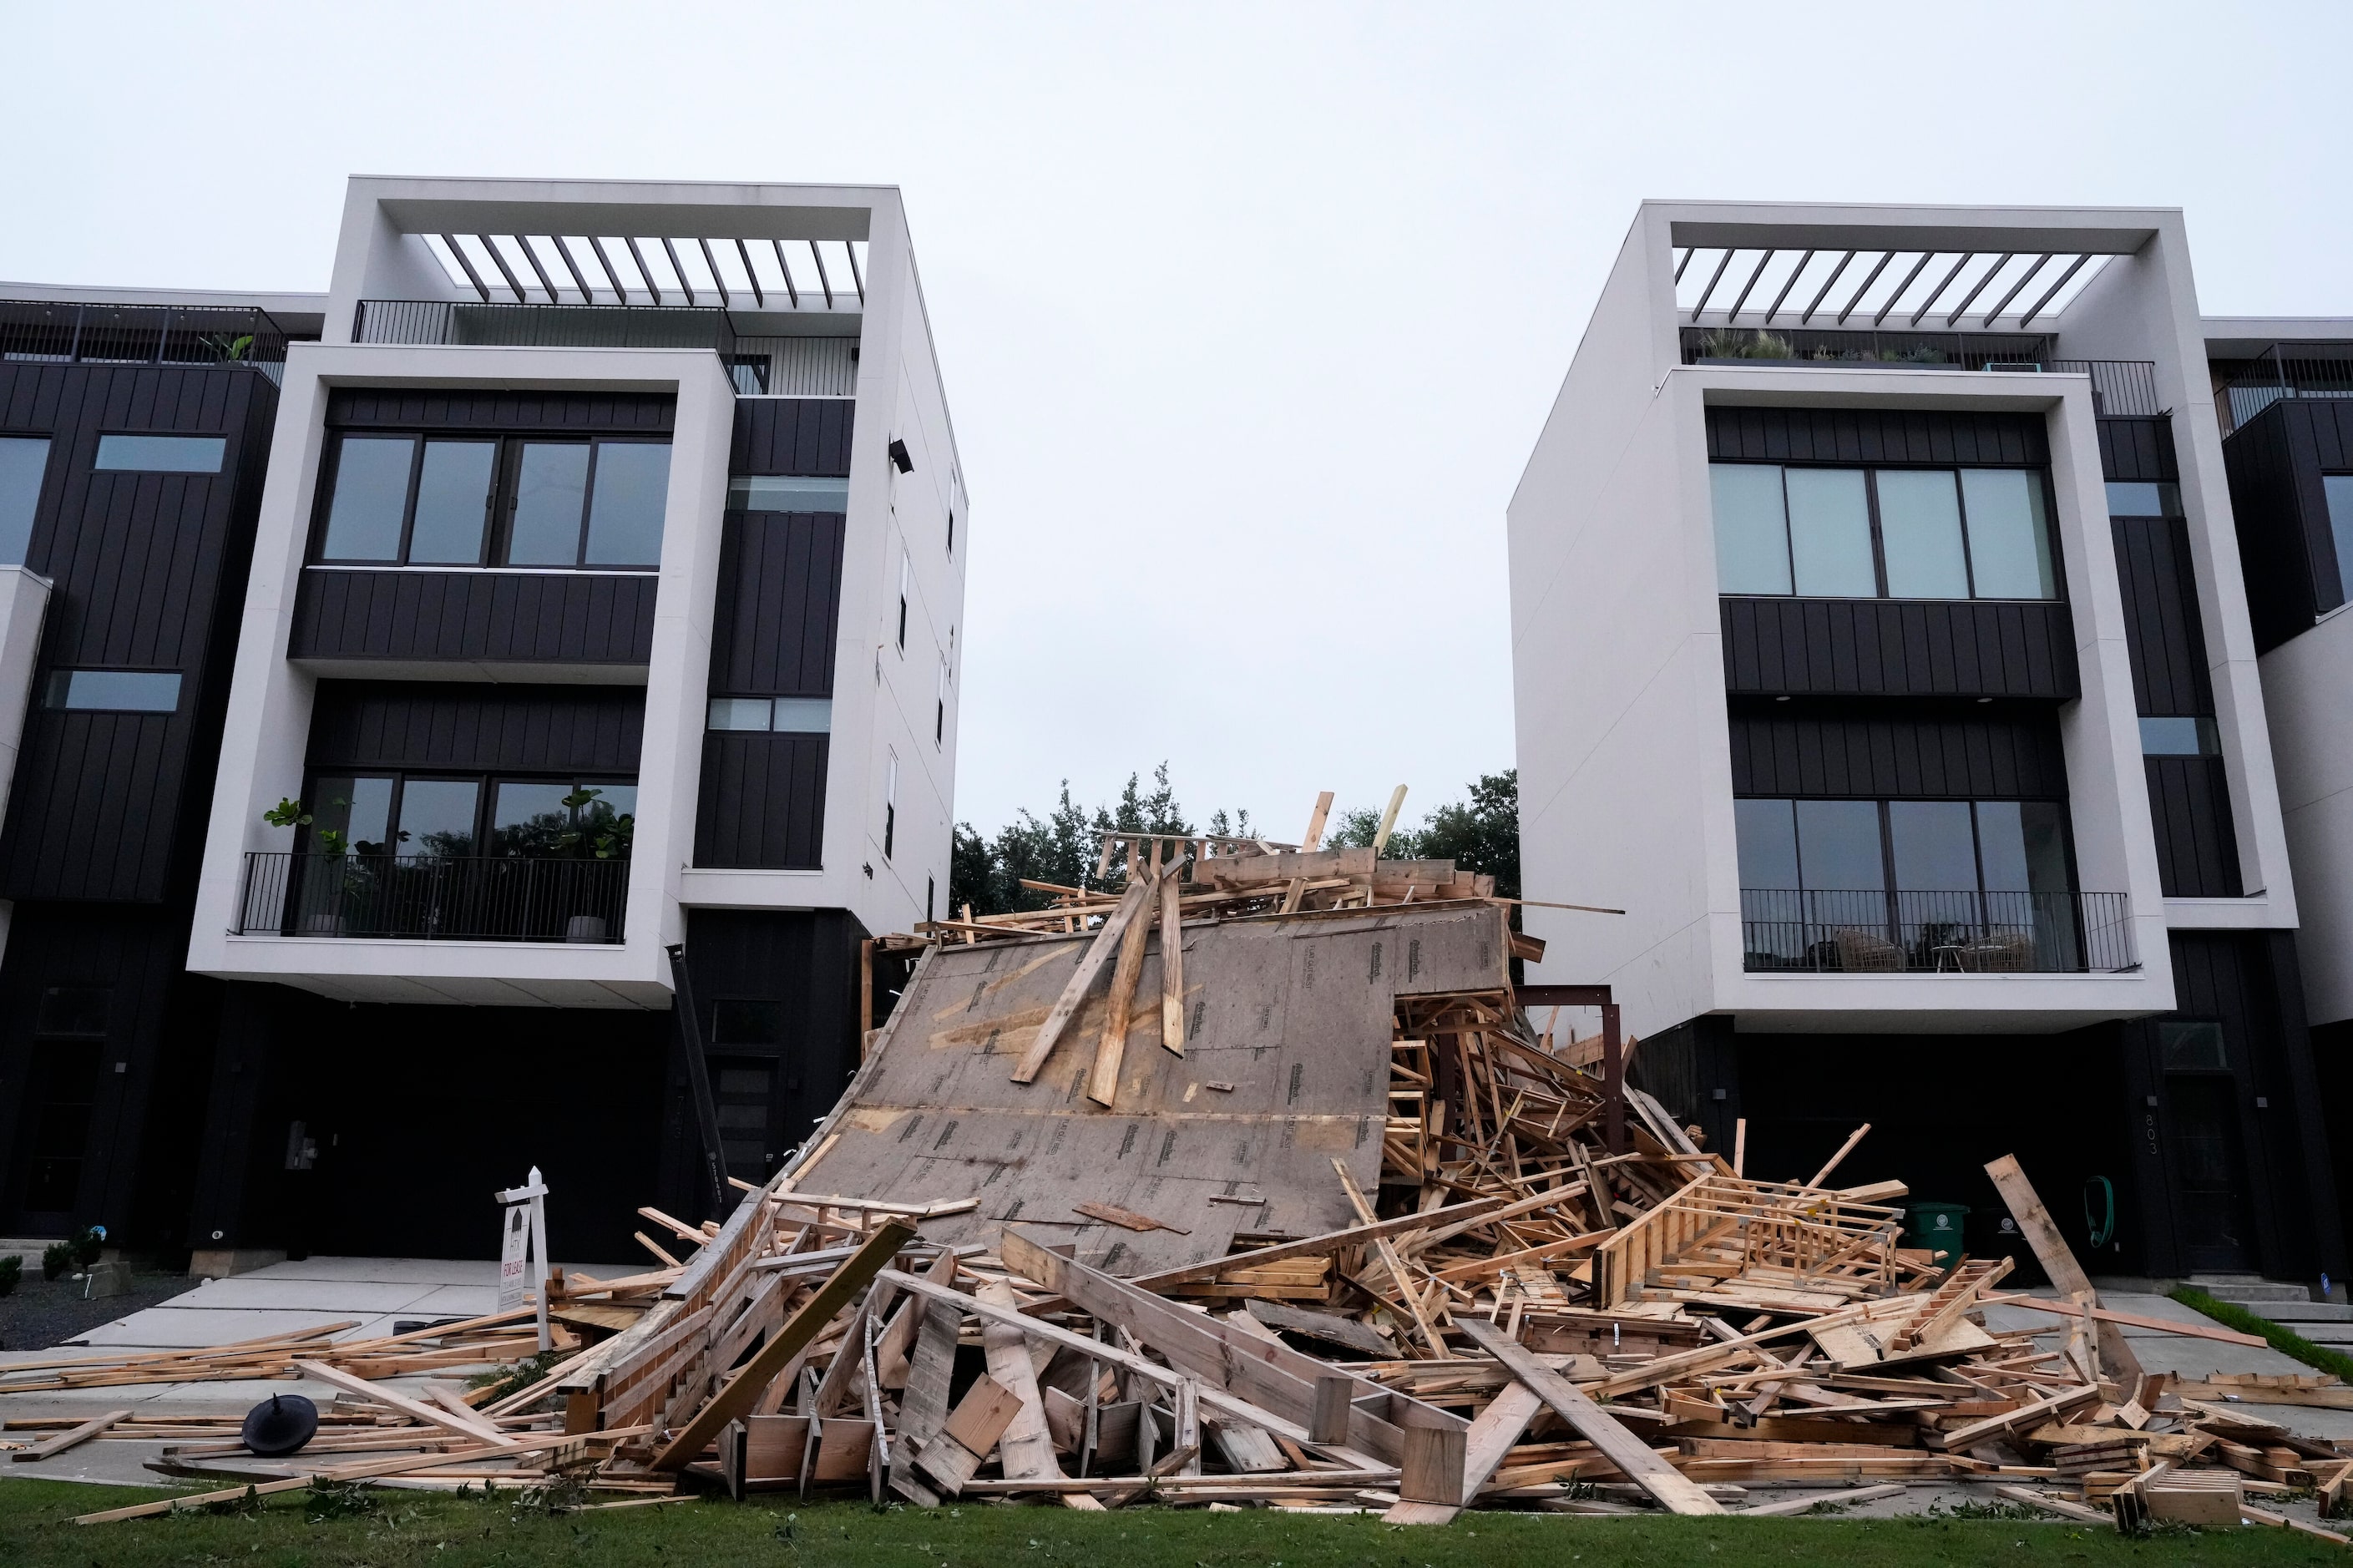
[[55, 1258], [12, 1268]]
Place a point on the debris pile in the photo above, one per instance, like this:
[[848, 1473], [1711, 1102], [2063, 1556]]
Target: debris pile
[[1293, 1207]]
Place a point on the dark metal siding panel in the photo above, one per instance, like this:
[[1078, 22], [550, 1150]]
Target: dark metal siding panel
[[1882, 435], [437, 725], [361, 407], [2269, 506], [2197, 845], [2163, 630], [1855, 754], [779, 604], [542, 617], [762, 804], [2137, 448], [1885, 647], [145, 568], [793, 436]]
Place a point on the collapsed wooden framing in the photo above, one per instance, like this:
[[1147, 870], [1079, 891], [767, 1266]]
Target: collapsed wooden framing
[[1256, 1184]]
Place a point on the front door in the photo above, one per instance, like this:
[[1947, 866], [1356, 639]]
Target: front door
[[2208, 1165]]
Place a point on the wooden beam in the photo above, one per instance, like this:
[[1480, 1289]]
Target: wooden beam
[[2058, 1261], [1026, 1448], [1103, 1082], [1673, 1491], [736, 1398], [1075, 994], [1172, 969], [1492, 1434], [64, 1440], [2135, 1321], [469, 1425], [1314, 834], [1331, 1241]]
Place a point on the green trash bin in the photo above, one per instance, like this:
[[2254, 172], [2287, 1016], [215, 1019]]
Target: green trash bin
[[1938, 1229]]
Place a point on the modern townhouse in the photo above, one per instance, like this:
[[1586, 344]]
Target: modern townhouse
[[1881, 644], [562, 661]]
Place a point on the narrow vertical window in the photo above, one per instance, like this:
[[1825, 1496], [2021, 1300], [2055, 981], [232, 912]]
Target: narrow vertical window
[[1752, 529], [951, 531], [930, 893], [23, 460], [891, 806], [906, 582], [940, 712]]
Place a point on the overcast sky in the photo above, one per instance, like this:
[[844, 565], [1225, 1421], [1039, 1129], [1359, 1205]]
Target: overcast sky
[[1248, 314]]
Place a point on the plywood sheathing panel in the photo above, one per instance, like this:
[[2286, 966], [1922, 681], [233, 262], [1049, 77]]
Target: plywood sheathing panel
[[1293, 1012]]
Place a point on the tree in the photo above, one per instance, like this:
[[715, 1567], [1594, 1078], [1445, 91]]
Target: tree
[[1482, 834]]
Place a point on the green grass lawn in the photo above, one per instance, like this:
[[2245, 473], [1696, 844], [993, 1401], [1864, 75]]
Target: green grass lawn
[[442, 1532]]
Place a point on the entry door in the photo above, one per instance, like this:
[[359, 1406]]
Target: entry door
[[2208, 1172], [744, 1088]]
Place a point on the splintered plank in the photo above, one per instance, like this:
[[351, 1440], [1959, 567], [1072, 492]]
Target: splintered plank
[[1025, 1447], [1108, 940], [1126, 1219], [1674, 1491], [740, 1391], [1102, 1083], [1492, 1432], [1172, 970]]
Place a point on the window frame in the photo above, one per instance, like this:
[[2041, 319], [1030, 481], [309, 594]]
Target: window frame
[[500, 506], [1890, 884], [486, 791], [50, 688], [1871, 472]]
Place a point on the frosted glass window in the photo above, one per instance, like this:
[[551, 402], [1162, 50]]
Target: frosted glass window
[[739, 713], [2009, 539], [1920, 529], [1830, 533], [1752, 534], [161, 454], [370, 499], [115, 691]]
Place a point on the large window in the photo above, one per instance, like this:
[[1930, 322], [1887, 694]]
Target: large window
[[1907, 885], [1891, 533], [457, 817], [432, 500]]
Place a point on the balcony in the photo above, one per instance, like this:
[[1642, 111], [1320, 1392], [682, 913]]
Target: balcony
[[438, 323], [141, 334], [2118, 386], [448, 898], [2310, 370], [1922, 932]]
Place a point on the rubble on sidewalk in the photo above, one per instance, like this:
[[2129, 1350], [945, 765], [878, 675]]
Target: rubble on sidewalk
[[1256, 1186]]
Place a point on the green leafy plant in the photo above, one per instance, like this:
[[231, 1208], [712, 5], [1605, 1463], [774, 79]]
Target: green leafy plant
[[77, 1251], [516, 1376], [12, 1270], [600, 834], [338, 1499], [293, 814]]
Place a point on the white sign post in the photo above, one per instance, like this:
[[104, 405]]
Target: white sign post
[[522, 1249]]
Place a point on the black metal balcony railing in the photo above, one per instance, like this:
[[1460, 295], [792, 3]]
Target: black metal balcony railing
[[1935, 932], [2310, 370], [59, 333], [2119, 386], [444, 322], [510, 897]]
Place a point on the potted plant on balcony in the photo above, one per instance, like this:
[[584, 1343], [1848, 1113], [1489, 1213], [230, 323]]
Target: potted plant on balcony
[[326, 844], [598, 833]]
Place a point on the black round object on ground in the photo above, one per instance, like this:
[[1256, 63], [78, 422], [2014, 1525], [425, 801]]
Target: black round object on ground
[[280, 1424]]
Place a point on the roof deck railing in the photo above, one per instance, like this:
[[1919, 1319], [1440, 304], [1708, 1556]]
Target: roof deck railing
[[2118, 386], [2282, 372], [55, 332]]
